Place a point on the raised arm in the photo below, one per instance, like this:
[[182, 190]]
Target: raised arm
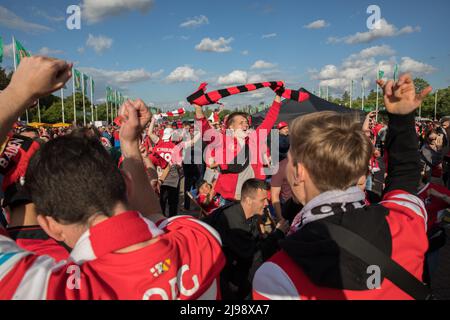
[[35, 77], [401, 101], [153, 137], [272, 115], [142, 196]]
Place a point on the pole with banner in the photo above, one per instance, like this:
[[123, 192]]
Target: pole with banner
[[74, 101], [380, 75], [84, 105], [351, 94], [107, 102], [92, 99], [435, 105], [362, 93]]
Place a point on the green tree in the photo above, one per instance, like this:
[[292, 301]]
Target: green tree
[[5, 78]]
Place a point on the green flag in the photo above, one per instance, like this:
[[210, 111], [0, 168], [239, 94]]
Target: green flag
[[77, 75], [396, 73], [380, 74], [92, 85], [20, 52], [108, 94], [1, 50], [85, 80]]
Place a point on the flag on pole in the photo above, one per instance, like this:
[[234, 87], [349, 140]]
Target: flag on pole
[[396, 73], [20, 52], [108, 94], [1, 50], [92, 86], [77, 78], [380, 74], [85, 81]]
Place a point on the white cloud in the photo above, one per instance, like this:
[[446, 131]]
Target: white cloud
[[44, 51], [219, 45], [184, 73], [267, 36], [80, 50], [120, 78], [185, 38], [318, 24], [195, 22], [99, 43], [10, 20], [245, 53], [261, 64], [96, 10], [415, 67], [45, 15], [235, 77], [383, 30], [365, 64], [8, 50], [374, 51]]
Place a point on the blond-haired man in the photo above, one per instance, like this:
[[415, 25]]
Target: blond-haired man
[[328, 160]]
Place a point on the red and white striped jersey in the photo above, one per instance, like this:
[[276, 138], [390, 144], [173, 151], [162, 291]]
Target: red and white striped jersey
[[281, 278], [167, 268]]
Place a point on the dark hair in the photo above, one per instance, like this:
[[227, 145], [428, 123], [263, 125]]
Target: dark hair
[[72, 178], [251, 186], [202, 182], [233, 115], [86, 132]]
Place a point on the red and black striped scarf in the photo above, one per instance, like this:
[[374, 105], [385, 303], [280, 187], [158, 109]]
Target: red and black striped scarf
[[201, 98]]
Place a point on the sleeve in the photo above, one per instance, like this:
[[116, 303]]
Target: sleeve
[[403, 171], [23, 275], [409, 206], [271, 117]]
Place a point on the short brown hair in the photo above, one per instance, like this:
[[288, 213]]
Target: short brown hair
[[332, 147]]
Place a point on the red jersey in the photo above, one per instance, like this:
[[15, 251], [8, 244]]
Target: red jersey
[[167, 268], [433, 204], [282, 278]]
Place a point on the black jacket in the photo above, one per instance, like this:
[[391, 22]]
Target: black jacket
[[245, 249]]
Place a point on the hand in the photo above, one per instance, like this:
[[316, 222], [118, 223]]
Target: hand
[[401, 98], [279, 90], [135, 116], [37, 77], [283, 226]]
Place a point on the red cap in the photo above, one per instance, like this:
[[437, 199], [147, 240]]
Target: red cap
[[282, 125]]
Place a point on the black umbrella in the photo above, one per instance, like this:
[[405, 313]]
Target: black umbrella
[[292, 109]]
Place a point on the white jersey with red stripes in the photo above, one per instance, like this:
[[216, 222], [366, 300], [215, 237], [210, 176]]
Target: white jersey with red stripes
[[281, 278], [169, 267]]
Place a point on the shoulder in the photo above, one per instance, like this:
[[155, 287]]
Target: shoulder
[[274, 279]]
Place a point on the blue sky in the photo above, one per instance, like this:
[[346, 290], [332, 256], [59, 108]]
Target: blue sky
[[162, 50]]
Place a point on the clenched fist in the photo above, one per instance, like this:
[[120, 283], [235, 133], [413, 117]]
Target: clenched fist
[[38, 76]]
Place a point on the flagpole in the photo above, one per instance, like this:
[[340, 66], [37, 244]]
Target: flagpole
[[39, 111], [362, 94], [14, 53], [351, 93], [435, 104], [84, 104], [107, 107], [74, 101], [96, 113], [376, 108], [327, 93], [15, 64], [62, 105], [92, 103]]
